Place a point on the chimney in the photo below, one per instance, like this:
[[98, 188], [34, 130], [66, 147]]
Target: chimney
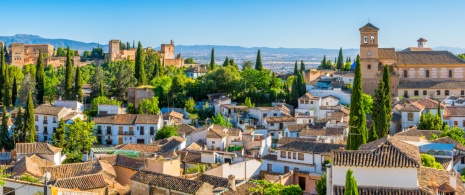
[[453, 179], [422, 42], [232, 182], [329, 179]]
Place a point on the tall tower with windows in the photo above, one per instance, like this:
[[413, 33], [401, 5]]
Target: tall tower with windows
[[369, 58]]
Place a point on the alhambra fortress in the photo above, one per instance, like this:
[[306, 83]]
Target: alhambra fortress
[[415, 71]]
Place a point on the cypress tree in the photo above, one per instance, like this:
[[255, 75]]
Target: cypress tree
[[133, 44], [78, 84], [357, 118], [351, 187], [340, 60], [350, 60], [5, 139], [28, 126], [40, 76], [226, 61], [378, 113], [68, 76], [14, 91], [128, 45], [387, 93], [296, 70], [231, 62], [6, 88], [323, 63], [302, 66], [212, 59], [18, 126], [2, 71], [139, 67], [258, 63], [372, 134], [102, 90], [59, 136]]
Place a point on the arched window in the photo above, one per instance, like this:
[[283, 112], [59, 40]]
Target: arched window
[[405, 73], [365, 39], [427, 73], [372, 39], [450, 73]]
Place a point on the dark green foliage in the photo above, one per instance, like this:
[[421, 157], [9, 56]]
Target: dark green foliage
[[324, 64], [6, 88], [128, 45], [265, 187], [340, 60], [2, 72], [78, 85], [189, 61], [14, 92], [5, 139], [429, 121], [226, 61], [247, 65], [258, 63], [296, 70], [321, 185], [357, 118], [69, 76], [212, 60], [351, 187], [139, 71], [28, 126], [302, 67], [60, 52], [59, 136], [166, 132], [372, 134], [18, 126], [218, 119], [456, 133], [124, 79], [379, 112], [387, 93], [101, 89]]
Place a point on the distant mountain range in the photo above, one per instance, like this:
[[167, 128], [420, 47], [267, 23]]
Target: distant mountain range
[[271, 57]]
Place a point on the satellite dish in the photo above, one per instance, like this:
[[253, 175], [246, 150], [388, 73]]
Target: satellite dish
[[47, 176]]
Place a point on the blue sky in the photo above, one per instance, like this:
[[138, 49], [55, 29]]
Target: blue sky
[[249, 23]]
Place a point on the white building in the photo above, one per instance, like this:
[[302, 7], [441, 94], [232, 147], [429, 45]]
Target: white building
[[46, 117], [276, 125], [412, 109], [108, 109], [455, 116], [260, 113], [127, 128], [196, 71], [43, 150]]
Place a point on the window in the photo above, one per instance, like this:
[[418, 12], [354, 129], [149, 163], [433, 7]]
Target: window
[[54, 120], [272, 124], [369, 66], [405, 94], [152, 130], [283, 154], [213, 142], [296, 170], [289, 155], [301, 156], [275, 114], [142, 130], [405, 73], [463, 123], [415, 93], [55, 129], [311, 102], [438, 92], [301, 101], [456, 123], [462, 92], [446, 92], [37, 118], [286, 169], [427, 74], [410, 116], [365, 39], [450, 73], [272, 134], [270, 167], [372, 39], [264, 115], [424, 92], [295, 154]]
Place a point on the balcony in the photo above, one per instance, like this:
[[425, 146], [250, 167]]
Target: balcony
[[120, 132], [99, 132], [45, 133]]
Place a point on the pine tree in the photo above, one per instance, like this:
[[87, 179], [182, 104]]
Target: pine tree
[[340, 60], [2, 71], [78, 84], [351, 187], [372, 134], [226, 61], [258, 63], [387, 93], [6, 88], [212, 59], [302, 67], [357, 118], [40, 76], [378, 113], [102, 90], [296, 70], [323, 63], [59, 136], [28, 126], [5, 139], [18, 126], [139, 66], [68, 76], [14, 92]]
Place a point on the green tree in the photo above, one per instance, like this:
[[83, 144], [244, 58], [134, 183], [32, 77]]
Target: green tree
[[78, 85], [6, 88], [2, 71], [100, 100], [429, 161], [27, 86], [5, 139], [461, 56], [124, 79], [248, 102], [378, 113], [40, 82], [387, 93], [321, 185], [29, 126], [149, 106], [219, 119], [226, 61], [80, 136], [323, 64], [258, 63], [429, 121], [247, 65], [101, 89], [60, 52], [212, 59], [302, 67], [69, 76], [59, 136], [166, 132], [267, 188], [189, 61], [340, 60], [14, 92], [139, 67], [357, 118], [296, 70], [351, 187], [18, 126], [456, 133], [190, 105], [373, 134]]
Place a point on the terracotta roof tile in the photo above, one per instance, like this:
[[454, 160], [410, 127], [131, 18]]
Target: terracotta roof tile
[[31, 165], [185, 129], [124, 161], [312, 132], [387, 53], [308, 96], [278, 119], [454, 111], [429, 84], [429, 103], [190, 157], [310, 147], [75, 169], [85, 182], [46, 109], [216, 131], [36, 148], [127, 119], [168, 144], [139, 147], [296, 127], [286, 140], [379, 190], [169, 182], [430, 179], [427, 57], [445, 162], [369, 26], [214, 180], [414, 132]]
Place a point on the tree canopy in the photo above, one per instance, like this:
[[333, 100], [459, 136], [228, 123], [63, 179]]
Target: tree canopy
[[166, 132]]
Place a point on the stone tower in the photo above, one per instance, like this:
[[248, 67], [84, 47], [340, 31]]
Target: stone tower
[[114, 49], [369, 58], [167, 50]]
